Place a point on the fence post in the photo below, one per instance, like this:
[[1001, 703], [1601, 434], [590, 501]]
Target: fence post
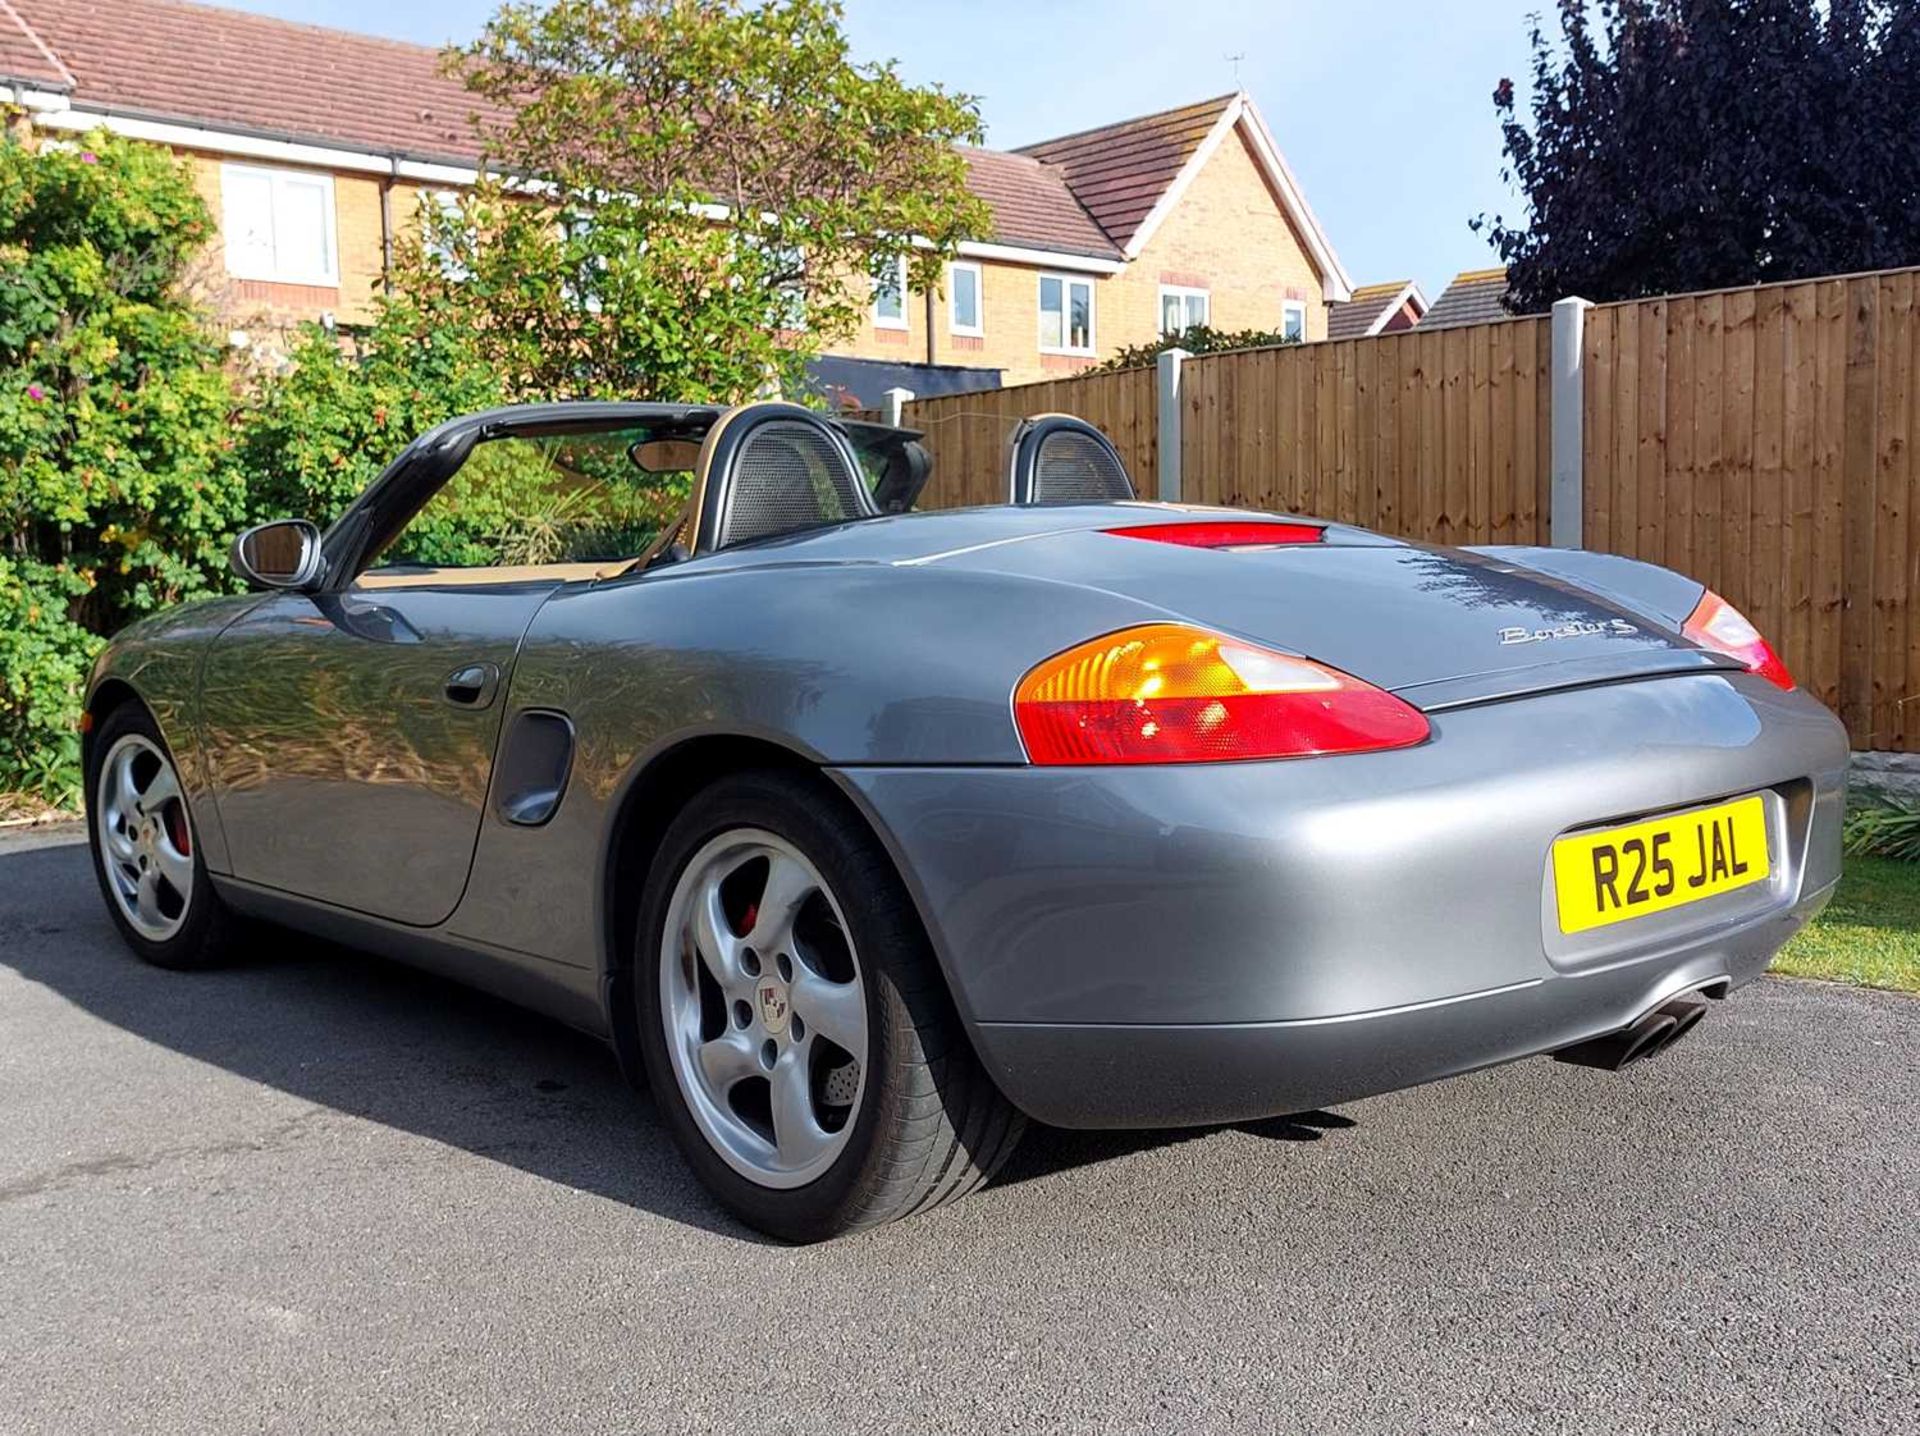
[[1567, 415], [892, 403], [1166, 375]]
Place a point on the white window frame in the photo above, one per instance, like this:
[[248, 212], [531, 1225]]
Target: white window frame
[[328, 276], [977, 330], [1289, 308], [1183, 292], [887, 321], [1066, 314]]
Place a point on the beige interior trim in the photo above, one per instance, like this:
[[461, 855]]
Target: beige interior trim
[[504, 573]]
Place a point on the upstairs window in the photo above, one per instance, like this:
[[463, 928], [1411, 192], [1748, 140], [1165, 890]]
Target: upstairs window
[[279, 225], [1293, 320], [890, 297], [964, 312], [439, 211], [1066, 315], [1182, 308]]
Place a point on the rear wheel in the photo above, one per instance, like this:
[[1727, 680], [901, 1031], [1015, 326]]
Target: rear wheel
[[146, 854], [796, 1030]]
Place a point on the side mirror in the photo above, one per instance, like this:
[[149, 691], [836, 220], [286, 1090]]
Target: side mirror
[[282, 554]]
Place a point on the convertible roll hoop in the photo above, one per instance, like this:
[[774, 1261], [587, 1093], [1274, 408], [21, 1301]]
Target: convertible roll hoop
[[770, 469], [1058, 459]]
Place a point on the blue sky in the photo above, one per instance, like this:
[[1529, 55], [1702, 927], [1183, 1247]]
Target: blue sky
[[1381, 106]]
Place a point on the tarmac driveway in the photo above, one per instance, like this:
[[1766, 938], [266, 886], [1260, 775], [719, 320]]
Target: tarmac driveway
[[320, 1193]]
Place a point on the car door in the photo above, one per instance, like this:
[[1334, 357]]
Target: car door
[[351, 736], [350, 727]]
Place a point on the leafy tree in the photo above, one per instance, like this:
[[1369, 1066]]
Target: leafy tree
[[117, 488], [1198, 339], [1691, 144], [692, 194]]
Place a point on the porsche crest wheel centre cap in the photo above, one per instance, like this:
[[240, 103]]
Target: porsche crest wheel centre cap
[[774, 1006]]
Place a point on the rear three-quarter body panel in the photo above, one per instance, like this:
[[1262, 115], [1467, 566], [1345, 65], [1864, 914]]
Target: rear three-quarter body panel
[[1155, 945]]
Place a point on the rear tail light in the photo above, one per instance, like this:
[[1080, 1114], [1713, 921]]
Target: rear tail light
[[1225, 533], [1717, 624], [1167, 693]]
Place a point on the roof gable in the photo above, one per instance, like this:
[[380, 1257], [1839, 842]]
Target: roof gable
[[1121, 171], [1130, 175], [1372, 308]]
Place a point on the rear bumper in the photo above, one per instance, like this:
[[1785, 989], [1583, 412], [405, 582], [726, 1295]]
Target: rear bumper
[[1153, 946], [1142, 1075]]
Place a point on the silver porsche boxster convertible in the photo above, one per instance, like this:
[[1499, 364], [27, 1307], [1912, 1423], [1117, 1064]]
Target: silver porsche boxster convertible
[[864, 834]]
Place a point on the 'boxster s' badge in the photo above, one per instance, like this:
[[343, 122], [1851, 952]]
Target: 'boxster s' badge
[[1579, 628]]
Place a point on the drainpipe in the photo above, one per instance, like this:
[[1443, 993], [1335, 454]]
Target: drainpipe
[[386, 217], [930, 358]]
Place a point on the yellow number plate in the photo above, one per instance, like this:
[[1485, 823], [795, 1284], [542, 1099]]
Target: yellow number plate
[[1624, 872]]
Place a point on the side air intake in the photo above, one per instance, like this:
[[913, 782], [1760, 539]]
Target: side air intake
[[1061, 460]]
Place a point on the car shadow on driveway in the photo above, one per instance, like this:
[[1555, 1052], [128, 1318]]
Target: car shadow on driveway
[[381, 1041]]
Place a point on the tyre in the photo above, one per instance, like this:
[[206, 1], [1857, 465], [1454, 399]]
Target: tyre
[[796, 1031], [146, 853]]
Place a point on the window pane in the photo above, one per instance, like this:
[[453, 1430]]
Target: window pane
[[1196, 310], [966, 298], [1080, 327], [1170, 320], [889, 300], [302, 246], [1294, 326], [1052, 314], [247, 199]]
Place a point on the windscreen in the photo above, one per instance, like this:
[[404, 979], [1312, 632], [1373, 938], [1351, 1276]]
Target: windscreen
[[527, 500]]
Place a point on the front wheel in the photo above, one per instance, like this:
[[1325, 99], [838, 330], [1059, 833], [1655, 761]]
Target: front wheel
[[146, 853], [796, 1030]]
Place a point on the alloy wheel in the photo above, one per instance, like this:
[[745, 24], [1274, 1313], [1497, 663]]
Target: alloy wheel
[[145, 839], [765, 1008]]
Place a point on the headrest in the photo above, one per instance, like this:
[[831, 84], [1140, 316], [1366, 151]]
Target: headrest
[[1057, 459], [773, 468]]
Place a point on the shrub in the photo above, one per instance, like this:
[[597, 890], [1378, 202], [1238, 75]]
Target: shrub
[[1884, 828], [1200, 339], [117, 487]]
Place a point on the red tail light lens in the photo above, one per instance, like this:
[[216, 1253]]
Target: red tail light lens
[[1225, 533], [1717, 624], [1167, 693]]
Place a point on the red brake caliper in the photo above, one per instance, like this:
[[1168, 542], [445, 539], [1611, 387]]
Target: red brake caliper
[[178, 830]]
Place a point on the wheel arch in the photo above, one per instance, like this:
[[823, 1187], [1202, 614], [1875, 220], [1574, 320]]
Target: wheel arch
[[107, 696], [653, 795]]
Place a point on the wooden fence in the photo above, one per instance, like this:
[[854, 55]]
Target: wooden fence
[[967, 433], [1440, 436], [1761, 440]]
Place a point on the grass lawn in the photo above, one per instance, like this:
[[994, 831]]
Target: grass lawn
[[1870, 933]]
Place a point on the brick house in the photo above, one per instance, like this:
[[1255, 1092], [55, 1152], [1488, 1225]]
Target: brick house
[[314, 147]]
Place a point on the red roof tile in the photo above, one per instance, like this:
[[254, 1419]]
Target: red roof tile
[[229, 70], [1119, 172], [1032, 205], [23, 57], [224, 69]]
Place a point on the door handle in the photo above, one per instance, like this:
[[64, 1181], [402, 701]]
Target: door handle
[[473, 686]]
